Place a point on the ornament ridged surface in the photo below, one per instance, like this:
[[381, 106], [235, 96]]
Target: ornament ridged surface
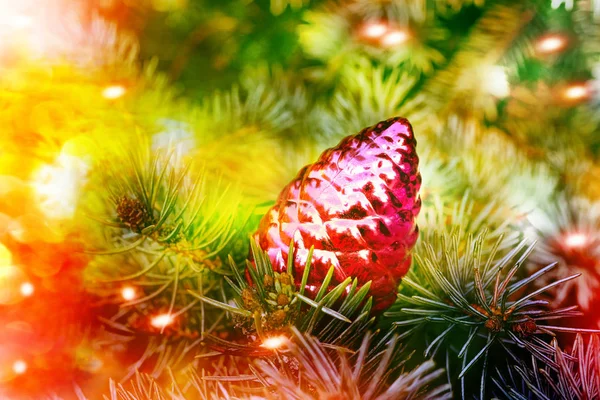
[[357, 206]]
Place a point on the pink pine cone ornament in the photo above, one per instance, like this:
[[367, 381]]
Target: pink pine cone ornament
[[357, 206]]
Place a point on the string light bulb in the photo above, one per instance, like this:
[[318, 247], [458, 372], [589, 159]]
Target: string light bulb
[[394, 38], [576, 240], [576, 92], [113, 92], [496, 81], [27, 289], [128, 293], [162, 320], [19, 367], [374, 30], [551, 44], [274, 342]]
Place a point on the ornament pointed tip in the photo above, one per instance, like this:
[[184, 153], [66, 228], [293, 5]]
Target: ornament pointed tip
[[396, 126]]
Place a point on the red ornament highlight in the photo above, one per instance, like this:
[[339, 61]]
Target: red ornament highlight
[[357, 206]]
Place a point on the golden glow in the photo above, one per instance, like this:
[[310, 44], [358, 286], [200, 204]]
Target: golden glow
[[374, 30], [20, 21], [113, 92], [128, 293], [394, 38], [162, 320], [576, 92], [5, 256], [27, 289], [11, 278], [575, 240], [551, 44], [496, 82], [274, 342], [19, 367], [57, 185]]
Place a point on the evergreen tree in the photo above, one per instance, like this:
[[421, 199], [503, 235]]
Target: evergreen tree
[[150, 248]]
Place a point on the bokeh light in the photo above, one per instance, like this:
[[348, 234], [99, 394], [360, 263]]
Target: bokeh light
[[5, 256], [274, 342], [576, 92], [551, 44], [496, 82], [394, 38], [27, 289], [113, 92], [162, 320], [128, 293], [57, 185], [576, 240], [11, 278], [19, 367], [374, 30]]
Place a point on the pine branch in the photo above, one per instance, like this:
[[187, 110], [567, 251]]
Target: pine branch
[[459, 88], [482, 155], [568, 232], [374, 371], [167, 226], [468, 304], [379, 93], [466, 216], [272, 304], [571, 375]]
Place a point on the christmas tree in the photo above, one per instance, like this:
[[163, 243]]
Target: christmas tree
[[299, 199]]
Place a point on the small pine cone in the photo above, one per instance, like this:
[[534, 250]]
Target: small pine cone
[[132, 213], [268, 281], [276, 318], [525, 328], [494, 324], [249, 299], [357, 206], [282, 300], [285, 279]]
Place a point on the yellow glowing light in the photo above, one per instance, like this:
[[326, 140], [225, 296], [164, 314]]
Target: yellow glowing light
[[5, 256], [57, 185], [162, 320], [274, 342], [113, 92], [576, 92], [20, 21], [374, 30], [496, 82], [576, 240], [128, 293], [27, 289], [394, 38], [551, 44], [11, 278], [19, 367]]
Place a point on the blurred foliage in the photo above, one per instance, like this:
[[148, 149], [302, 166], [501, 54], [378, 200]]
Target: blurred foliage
[[249, 91]]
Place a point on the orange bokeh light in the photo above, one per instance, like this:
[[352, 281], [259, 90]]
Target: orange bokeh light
[[394, 38], [551, 44], [19, 367], [27, 289], [576, 240], [128, 293], [162, 320], [113, 92], [274, 342], [374, 30], [578, 91]]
